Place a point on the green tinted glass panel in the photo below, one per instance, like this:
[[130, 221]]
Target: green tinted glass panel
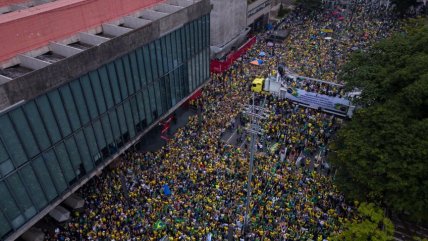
[[48, 117], [65, 163], [11, 141], [55, 171], [89, 96], [84, 151], [24, 132], [9, 207], [42, 173], [70, 107], [80, 101], [22, 199], [105, 84], [59, 112], [35, 190], [98, 91]]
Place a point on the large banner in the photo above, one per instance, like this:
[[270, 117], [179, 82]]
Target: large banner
[[315, 100]]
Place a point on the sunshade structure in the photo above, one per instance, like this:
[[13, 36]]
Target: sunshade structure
[[60, 214], [74, 201]]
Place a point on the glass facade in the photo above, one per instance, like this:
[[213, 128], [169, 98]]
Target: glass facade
[[47, 144]]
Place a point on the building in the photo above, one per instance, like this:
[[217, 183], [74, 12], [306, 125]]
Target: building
[[228, 25], [80, 82], [231, 21], [258, 14]]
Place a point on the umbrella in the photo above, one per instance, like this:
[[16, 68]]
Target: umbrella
[[270, 44], [328, 38], [257, 62], [262, 54]]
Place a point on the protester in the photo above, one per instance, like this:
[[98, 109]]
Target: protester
[[194, 188]]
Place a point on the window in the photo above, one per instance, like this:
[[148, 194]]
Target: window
[[34, 189], [159, 99], [24, 132], [107, 128], [105, 85], [70, 107], [74, 155], [134, 108], [147, 105], [11, 141], [98, 91], [49, 119], [141, 67], [129, 118], [89, 96], [21, 197], [41, 171], [121, 78], [65, 164], [77, 93], [99, 133], [140, 105], [152, 101], [122, 120], [55, 171], [84, 151], [156, 59], [115, 125], [168, 57], [91, 141], [4, 225], [9, 207], [135, 70], [149, 56], [59, 112], [3, 153], [128, 74], [6, 167], [114, 83]]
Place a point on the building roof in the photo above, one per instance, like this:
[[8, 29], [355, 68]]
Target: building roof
[[64, 28]]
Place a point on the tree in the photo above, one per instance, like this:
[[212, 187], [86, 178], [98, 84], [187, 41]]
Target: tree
[[310, 5], [282, 11], [370, 224], [402, 6], [381, 155]]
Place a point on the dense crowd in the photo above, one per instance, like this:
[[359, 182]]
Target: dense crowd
[[194, 188]]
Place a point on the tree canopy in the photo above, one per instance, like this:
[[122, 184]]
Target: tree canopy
[[370, 224], [402, 6], [381, 155]]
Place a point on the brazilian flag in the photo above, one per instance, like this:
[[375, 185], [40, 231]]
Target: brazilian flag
[[292, 91], [159, 225]]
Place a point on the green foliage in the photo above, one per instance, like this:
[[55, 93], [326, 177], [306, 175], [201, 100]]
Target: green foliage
[[381, 155], [370, 225], [310, 5]]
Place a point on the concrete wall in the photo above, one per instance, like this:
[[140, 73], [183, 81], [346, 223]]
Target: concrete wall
[[39, 81], [32, 28], [257, 9], [228, 19]]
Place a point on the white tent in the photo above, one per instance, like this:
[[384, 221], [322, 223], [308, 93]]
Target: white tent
[[74, 201], [60, 214], [33, 234]]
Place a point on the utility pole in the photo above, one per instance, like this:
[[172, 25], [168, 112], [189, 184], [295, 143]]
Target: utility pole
[[256, 114]]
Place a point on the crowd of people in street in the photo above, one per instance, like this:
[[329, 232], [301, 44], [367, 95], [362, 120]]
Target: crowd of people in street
[[195, 187]]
